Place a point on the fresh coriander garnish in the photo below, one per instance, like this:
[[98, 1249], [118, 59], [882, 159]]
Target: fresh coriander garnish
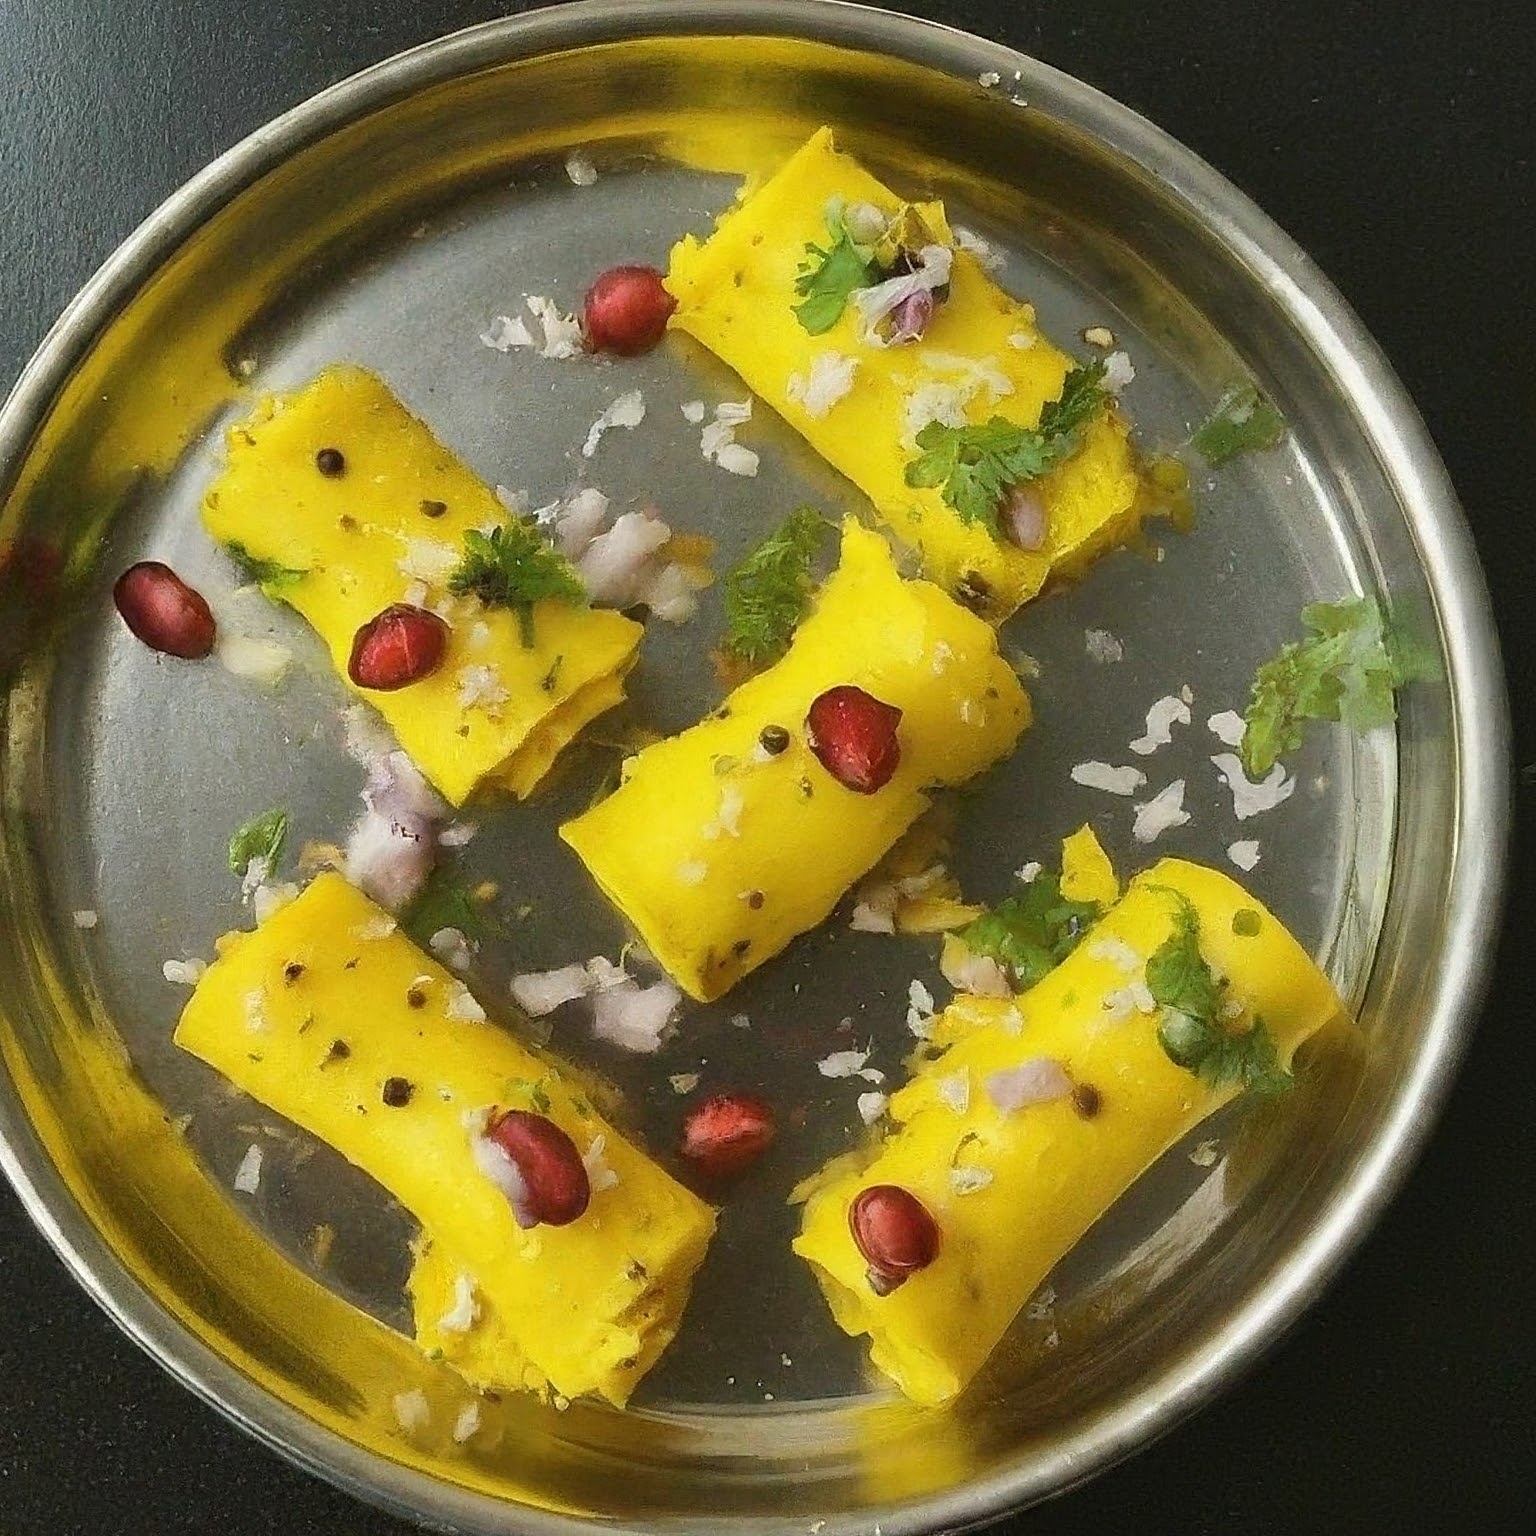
[[1191, 1032], [272, 578], [445, 903], [1031, 934], [513, 567], [262, 838], [976, 466], [521, 1093], [769, 591], [1348, 669], [829, 275], [1243, 422]]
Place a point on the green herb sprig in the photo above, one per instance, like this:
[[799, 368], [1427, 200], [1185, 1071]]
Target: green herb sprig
[[262, 837], [1191, 1030], [975, 467], [829, 274], [444, 902], [769, 592], [1348, 669], [1242, 422], [272, 578], [1031, 934], [513, 567]]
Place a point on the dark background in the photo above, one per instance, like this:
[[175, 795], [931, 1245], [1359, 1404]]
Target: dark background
[[1392, 141]]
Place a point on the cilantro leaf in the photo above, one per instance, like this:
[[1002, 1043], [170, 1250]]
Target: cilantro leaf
[[1242, 422], [263, 838], [1191, 1030], [272, 578], [769, 591], [1347, 669], [1031, 934], [513, 567], [445, 903], [975, 466], [829, 275]]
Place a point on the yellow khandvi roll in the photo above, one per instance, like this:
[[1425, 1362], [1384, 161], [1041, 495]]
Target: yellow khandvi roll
[[328, 1015], [860, 405], [723, 843], [344, 504], [1043, 1111]]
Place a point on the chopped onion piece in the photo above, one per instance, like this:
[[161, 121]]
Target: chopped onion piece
[[541, 992], [633, 1017]]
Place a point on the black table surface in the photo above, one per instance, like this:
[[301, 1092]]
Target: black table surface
[[1392, 141]]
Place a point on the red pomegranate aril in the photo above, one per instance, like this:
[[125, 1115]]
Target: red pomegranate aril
[[555, 1186], [626, 311], [853, 736], [402, 645], [727, 1131], [163, 611], [895, 1233]]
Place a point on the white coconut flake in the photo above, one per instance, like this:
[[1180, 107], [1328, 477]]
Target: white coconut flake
[[577, 520], [1163, 715], [627, 410], [842, 1064], [633, 1017], [457, 835], [506, 332], [1248, 798], [255, 1009], [871, 1106], [463, 1006], [428, 560], [1040, 1080], [933, 400], [562, 332], [604, 974], [1117, 952], [718, 442], [1164, 811], [1021, 341], [85, 918], [987, 78], [684, 1082], [1102, 646], [467, 1422], [1227, 727], [269, 898], [263, 661], [829, 380], [693, 410], [692, 872], [540, 992], [1118, 372], [618, 563], [599, 1175], [736, 459], [955, 1090], [1041, 1308], [976, 245], [248, 1174], [453, 948], [1028, 873], [727, 820], [379, 926], [1244, 854], [465, 1311], [1105, 776], [967, 1181], [184, 973], [740, 1021], [1204, 1155], [480, 687], [919, 1010], [412, 1410], [874, 910], [580, 169]]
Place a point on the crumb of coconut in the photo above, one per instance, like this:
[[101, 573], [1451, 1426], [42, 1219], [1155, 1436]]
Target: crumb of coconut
[[481, 687], [580, 169], [1119, 371], [829, 381], [1099, 336], [412, 1410], [1052, 1339], [626, 410], [463, 1006], [256, 1010], [1204, 1155], [428, 560], [1227, 727], [1161, 718], [967, 1181], [468, 1420], [1102, 646], [562, 332], [1043, 1304], [1117, 952], [1248, 798], [1244, 853], [1021, 341], [740, 1021], [86, 918], [718, 442], [248, 1174], [1163, 812], [976, 245], [1187, 694], [263, 661], [988, 78], [1105, 776], [955, 1090], [269, 899], [465, 1311], [684, 1082], [871, 1106], [1028, 873], [785, 1360], [599, 1175], [377, 927], [727, 820], [693, 411], [692, 872], [506, 332], [184, 973], [843, 1064], [453, 948]]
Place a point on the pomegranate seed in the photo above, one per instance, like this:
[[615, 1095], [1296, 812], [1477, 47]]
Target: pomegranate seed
[[555, 1187], [854, 737], [626, 310], [895, 1233], [727, 1131], [163, 611], [401, 645]]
